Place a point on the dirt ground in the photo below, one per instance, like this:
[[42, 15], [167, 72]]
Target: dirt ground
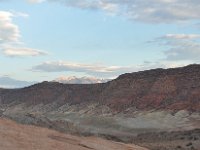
[[14, 136]]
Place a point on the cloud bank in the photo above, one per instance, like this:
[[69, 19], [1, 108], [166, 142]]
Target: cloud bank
[[99, 70], [151, 11], [180, 47], [89, 69]]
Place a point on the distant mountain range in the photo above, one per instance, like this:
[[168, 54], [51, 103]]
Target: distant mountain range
[[81, 80], [7, 82]]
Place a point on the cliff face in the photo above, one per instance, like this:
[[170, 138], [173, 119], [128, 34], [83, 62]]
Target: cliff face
[[160, 89]]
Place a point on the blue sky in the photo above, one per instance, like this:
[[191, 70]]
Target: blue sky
[[42, 40]]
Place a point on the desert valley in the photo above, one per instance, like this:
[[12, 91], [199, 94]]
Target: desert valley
[[99, 75]]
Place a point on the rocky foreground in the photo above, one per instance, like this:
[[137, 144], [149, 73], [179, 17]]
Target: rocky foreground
[[23, 137]]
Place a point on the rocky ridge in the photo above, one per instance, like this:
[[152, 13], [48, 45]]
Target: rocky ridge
[[169, 89]]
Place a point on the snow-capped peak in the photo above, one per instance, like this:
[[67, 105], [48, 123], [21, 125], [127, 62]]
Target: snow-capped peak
[[79, 80]]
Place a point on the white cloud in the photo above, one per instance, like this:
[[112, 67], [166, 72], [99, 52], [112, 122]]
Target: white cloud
[[11, 51], [10, 43], [89, 69], [181, 36], [9, 32], [153, 11], [35, 1]]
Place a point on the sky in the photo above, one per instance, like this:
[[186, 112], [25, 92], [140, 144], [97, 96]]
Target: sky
[[44, 39]]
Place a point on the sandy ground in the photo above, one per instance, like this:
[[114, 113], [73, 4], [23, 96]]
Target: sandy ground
[[14, 136]]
